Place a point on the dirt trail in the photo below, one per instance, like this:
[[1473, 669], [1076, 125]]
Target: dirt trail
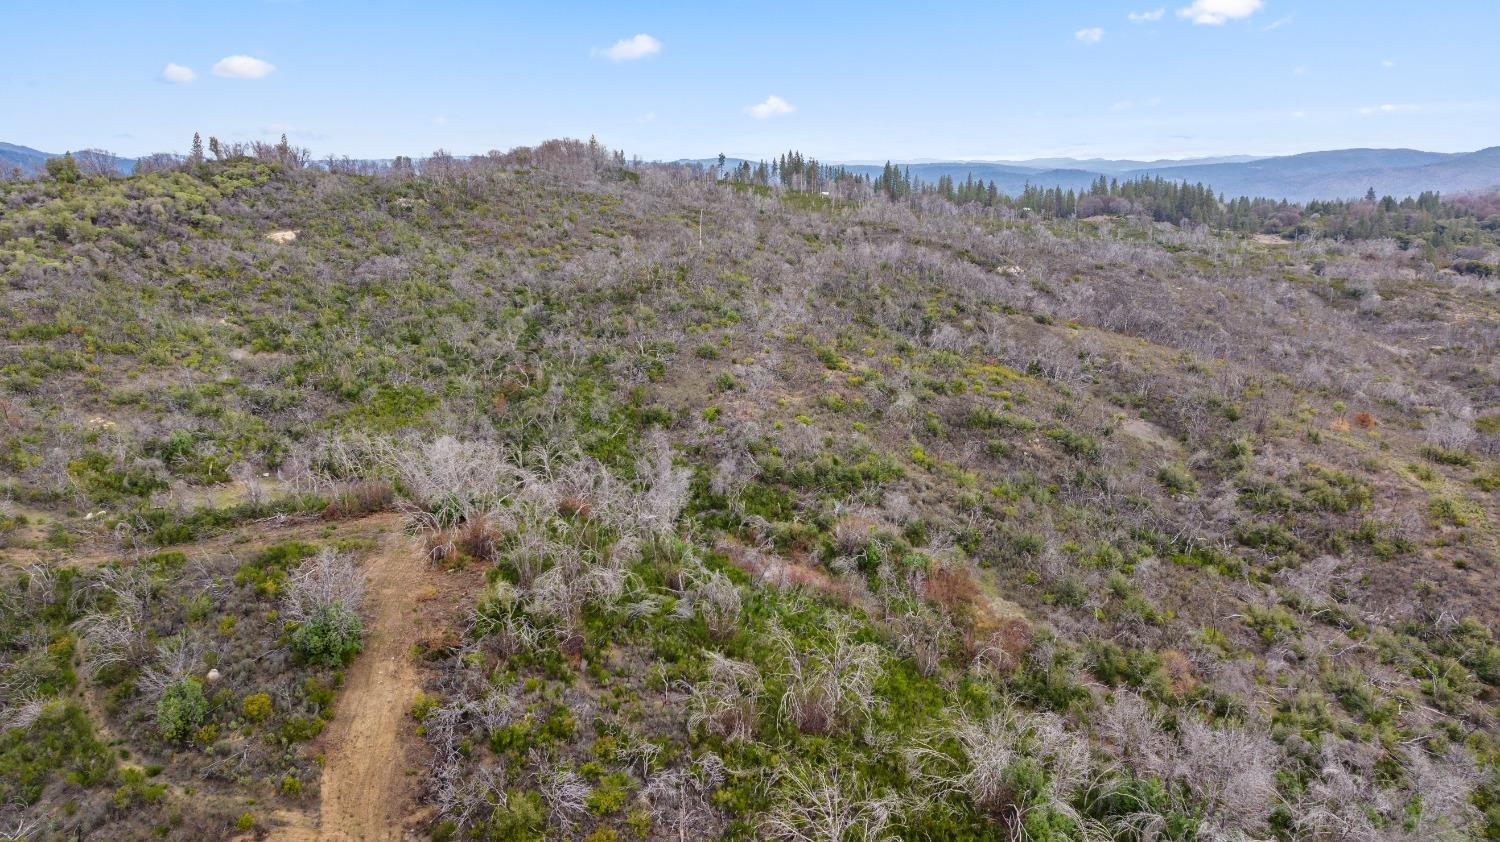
[[364, 781], [365, 791]]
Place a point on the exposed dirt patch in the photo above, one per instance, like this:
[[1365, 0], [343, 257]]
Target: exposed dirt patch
[[365, 788], [366, 793], [1144, 431], [288, 236]]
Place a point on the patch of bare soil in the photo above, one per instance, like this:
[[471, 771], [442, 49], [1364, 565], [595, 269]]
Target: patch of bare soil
[[366, 794], [247, 538], [288, 236], [1144, 431]]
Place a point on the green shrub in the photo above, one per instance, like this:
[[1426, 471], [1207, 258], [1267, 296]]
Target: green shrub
[[59, 743], [1442, 456], [610, 795], [1176, 479], [1273, 538], [181, 709], [984, 418], [331, 638], [298, 729], [1329, 490], [520, 817], [256, 707], [423, 705], [1075, 443]]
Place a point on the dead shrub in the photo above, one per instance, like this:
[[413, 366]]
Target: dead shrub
[[1179, 671], [999, 648], [952, 588], [359, 500], [575, 506], [474, 539], [1365, 421]]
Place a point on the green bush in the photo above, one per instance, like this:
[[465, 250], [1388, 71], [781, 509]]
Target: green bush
[[1176, 479], [181, 709], [1328, 490], [610, 795], [256, 707], [519, 818], [984, 418], [331, 638], [60, 742], [1075, 443]]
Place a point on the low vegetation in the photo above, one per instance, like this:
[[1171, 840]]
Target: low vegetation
[[762, 513]]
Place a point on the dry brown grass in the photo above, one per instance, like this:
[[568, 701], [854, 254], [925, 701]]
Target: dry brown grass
[[785, 573], [359, 500], [476, 539], [955, 590], [1179, 671]]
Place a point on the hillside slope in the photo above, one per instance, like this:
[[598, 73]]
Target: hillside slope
[[1335, 174], [735, 513], [1346, 174], [31, 162]]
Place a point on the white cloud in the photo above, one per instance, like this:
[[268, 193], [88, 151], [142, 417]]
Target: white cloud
[[1147, 17], [1280, 22], [648, 117], [1219, 12], [1388, 63], [1091, 35], [243, 67], [177, 73], [630, 49], [772, 107], [1382, 109]]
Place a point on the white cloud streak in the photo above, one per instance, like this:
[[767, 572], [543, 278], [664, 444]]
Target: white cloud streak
[[774, 106], [177, 74], [243, 67], [1091, 35], [631, 49], [1219, 12], [1147, 17]]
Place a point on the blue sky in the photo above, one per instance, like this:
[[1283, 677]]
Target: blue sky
[[839, 80]]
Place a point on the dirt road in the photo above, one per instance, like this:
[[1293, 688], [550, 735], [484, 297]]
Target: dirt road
[[366, 794]]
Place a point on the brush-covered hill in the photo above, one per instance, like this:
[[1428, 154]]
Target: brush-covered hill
[[531, 496]]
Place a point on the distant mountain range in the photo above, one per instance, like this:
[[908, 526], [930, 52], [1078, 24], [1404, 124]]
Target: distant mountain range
[[32, 161], [1336, 174]]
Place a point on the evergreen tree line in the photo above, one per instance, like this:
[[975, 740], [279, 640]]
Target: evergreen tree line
[[1427, 218]]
